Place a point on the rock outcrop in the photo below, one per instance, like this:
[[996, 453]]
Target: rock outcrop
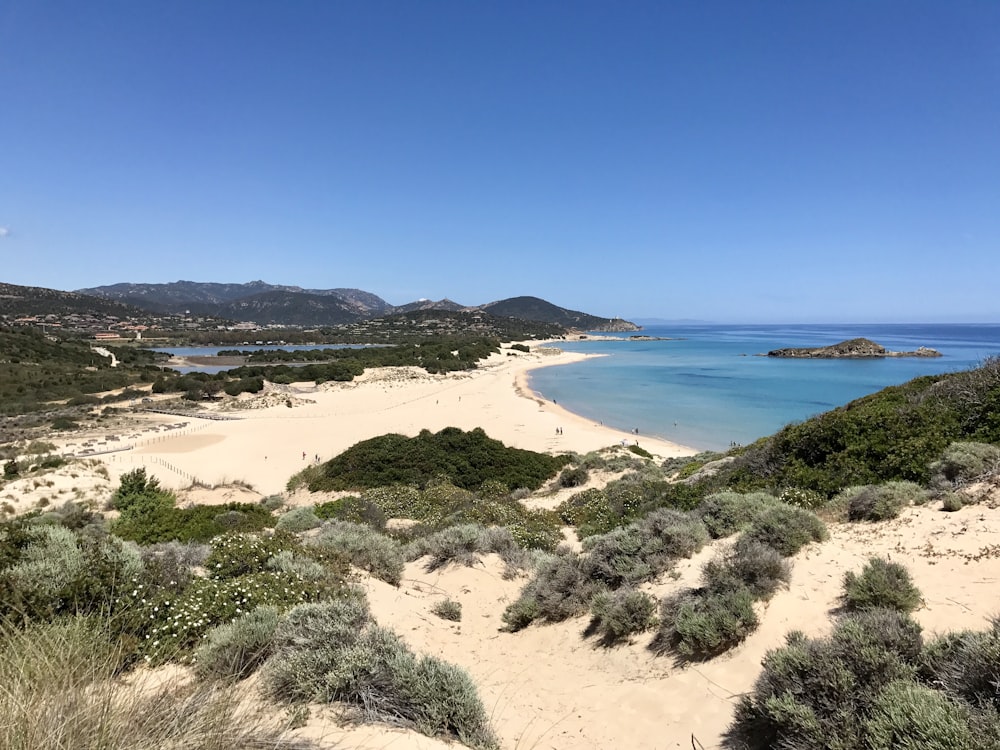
[[859, 348]]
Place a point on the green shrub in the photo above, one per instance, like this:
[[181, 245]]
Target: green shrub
[[297, 520], [335, 652], [575, 476], [617, 615], [465, 544], [301, 563], [964, 462], [882, 502], [952, 501], [559, 590], [700, 623], [467, 458], [966, 665], [787, 529], [758, 567], [272, 502], [235, 650], [908, 716], [643, 549], [168, 564], [725, 513], [448, 609], [640, 451], [235, 555], [364, 547], [881, 584], [398, 501], [148, 515], [58, 572], [803, 498], [173, 625], [685, 466], [621, 501], [815, 693], [353, 508]]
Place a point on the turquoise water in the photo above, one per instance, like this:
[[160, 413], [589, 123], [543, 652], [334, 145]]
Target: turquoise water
[[705, 389]]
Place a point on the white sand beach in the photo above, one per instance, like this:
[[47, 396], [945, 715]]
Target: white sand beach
[[263, 447]]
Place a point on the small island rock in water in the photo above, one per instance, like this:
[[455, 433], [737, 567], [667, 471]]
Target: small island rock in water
[[852, 349]]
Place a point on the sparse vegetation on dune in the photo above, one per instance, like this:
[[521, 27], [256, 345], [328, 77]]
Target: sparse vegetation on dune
[[875, 683], [242, 589]]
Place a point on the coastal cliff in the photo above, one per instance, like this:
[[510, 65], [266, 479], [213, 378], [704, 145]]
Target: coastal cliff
[[859, 348]]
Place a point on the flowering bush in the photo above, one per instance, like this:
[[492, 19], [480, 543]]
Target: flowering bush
[[169, 627]]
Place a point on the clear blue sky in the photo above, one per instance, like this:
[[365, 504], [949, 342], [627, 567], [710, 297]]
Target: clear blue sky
[[731, 161]]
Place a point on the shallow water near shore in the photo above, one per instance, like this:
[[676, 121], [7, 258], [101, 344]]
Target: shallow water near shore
[[706, 389]]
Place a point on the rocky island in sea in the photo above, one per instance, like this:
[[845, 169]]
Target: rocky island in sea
[[851, 349]]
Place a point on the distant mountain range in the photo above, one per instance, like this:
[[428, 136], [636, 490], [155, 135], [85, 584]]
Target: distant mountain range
[[271, 304], [17, 301]]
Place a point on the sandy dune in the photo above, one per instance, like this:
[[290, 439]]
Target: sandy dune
[[263, 447], [546, 687]]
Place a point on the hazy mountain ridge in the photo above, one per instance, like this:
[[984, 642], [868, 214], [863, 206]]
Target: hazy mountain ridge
[[36, 300], [265, 303]]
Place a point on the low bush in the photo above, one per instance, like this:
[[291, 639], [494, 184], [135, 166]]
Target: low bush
[[803, 498], [643, 549], [615, 616], [234, 555], [639, 451], [170, 626], [297, 520], [233, 651], [815, 693], [559, 590], [758, 567], [353, 508], [908, 715], [334, 651], [881, 502], [725, 513], [448, 609], [698, 624], [168, 564], [952, 501], [465, 544], [787, 529], [685, 466], [624, 500], [966, 664], [964, 462], [882, 584], [56, 572], [364, 547], [575, 476]]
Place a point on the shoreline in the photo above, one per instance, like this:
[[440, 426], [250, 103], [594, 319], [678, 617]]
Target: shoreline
[[656, 445], [287, 428]]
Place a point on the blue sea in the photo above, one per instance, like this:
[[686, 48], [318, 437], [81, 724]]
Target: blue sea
[[706, 389]]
